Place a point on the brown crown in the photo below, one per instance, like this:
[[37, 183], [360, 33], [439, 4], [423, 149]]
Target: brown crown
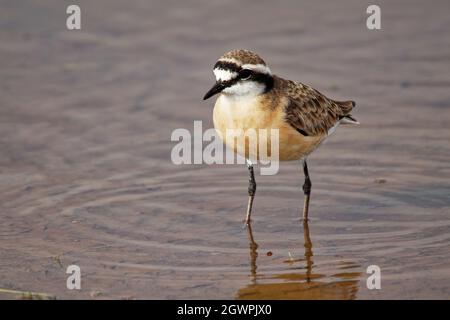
[[243, 56]]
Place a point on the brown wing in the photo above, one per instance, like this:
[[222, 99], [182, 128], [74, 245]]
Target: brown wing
[[309, 111]]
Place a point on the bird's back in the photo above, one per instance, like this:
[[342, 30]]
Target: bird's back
[[310, 112]]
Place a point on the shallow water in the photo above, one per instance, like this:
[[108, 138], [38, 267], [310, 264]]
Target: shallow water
[[86, 177]]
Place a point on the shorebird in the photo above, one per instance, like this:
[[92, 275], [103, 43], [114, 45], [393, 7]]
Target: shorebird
[[251, 97]]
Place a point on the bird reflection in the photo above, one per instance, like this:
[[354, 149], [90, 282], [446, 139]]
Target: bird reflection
[[253, 252], [298, 285]]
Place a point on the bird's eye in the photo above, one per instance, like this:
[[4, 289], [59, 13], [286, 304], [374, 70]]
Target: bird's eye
[[245, 74]]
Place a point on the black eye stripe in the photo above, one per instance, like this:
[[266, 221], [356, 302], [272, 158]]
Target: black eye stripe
[[260, 77], [229, 83], [246, 74], [227, 65], [264, 78]]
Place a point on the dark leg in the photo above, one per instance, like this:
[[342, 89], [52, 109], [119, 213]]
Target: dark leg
[[307, 190], [251, 192], [308, 251]]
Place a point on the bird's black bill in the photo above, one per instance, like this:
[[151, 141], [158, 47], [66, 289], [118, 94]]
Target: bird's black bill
[[218, 87]]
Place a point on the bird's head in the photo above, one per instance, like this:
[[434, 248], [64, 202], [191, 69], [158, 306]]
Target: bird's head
[[241, 73]]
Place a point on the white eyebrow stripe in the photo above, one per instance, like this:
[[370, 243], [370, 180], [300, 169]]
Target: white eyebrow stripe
[[224, 75], [257, 67], [232, 60]]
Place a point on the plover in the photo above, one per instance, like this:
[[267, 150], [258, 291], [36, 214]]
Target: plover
[[251, 97]]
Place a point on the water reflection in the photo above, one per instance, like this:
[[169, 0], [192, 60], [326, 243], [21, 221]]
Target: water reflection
[[298, 285]]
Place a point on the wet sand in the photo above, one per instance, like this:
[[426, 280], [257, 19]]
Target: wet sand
[[86, 177]]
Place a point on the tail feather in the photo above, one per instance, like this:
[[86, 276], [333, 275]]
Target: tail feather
[[346, 107], [348, 119]]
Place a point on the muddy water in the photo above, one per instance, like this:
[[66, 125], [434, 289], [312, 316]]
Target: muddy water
[[86, 176]]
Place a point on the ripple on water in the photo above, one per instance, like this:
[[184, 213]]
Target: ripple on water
[[183, 230]]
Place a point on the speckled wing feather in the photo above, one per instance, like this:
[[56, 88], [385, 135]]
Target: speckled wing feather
[[309, 111]]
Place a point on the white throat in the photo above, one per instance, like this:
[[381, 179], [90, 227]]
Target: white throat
[[244, 89]]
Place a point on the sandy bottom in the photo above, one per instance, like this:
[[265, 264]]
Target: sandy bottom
[[86, 176]]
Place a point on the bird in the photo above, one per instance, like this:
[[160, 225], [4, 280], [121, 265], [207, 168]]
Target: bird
[[251, 97]]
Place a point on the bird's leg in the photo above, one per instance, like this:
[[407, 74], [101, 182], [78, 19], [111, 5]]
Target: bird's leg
[[308, 251], [251, 191], [307, 190]]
